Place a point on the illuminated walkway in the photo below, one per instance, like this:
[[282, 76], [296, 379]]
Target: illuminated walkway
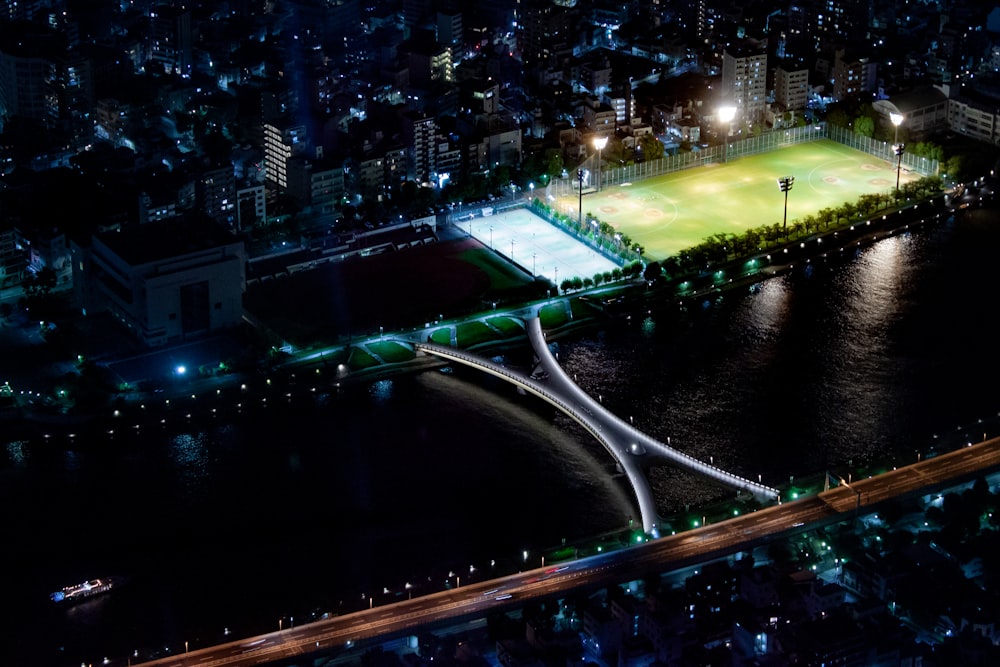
[[622, 440]]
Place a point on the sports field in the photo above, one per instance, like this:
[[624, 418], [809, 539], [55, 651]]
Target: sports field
[[670, 213]]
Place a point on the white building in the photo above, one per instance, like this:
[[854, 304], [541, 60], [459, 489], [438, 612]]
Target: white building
[[744, 82], [166, 282]]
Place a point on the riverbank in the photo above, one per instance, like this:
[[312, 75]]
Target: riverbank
[[340, 366]]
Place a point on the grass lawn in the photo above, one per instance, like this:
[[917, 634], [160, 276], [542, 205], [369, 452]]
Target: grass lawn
[[508, 326], [553, 315], [502, 276], [360, 359], [391, 351], [441, 336], [671, 213], [472, 333]]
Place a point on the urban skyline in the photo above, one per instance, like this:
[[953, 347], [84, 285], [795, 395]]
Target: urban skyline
[[191, 143]]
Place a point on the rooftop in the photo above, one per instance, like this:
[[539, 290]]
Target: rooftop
[[154, 241]]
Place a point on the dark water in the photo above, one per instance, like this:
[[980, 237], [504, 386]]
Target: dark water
[[244, 522]]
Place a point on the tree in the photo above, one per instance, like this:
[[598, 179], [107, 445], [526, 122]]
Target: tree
[[652, 148], [555, 165], [838, 117], [864, 125], [652, 271]]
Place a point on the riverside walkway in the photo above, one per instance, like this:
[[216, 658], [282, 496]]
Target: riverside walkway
[[624, 442]]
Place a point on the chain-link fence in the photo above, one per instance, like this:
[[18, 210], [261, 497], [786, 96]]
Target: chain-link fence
[[762, 143], [884, 150]]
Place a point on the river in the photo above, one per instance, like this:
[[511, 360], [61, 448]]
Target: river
[[246, 522]]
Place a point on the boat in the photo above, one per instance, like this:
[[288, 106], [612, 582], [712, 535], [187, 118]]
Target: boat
[[83, 591]]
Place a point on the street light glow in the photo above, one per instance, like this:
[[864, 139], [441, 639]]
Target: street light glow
[[726, 115], [599, 144], [897, 119]]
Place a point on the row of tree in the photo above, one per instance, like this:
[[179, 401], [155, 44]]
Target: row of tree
[[720, 247], [630, 271]]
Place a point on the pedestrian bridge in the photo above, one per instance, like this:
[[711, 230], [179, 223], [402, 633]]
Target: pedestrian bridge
[[622, 440]]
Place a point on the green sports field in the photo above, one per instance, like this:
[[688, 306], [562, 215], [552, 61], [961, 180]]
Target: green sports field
[[668, 214]]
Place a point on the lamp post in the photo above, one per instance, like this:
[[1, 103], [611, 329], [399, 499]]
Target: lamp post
[[512, 250], [785, 184], [599, 144], [726, 115], [899, 149], [579, 178], [897, 119]]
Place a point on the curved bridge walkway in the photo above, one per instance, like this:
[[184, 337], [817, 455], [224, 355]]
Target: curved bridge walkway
[[623, 441]]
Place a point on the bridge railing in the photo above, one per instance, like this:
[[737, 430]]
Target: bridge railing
[[535, 334], [640, 484]]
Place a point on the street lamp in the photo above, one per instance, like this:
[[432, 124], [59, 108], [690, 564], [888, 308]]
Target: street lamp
[[726, 115], [897, 119], [899, 149], [785, 184], [579, 178], [599, 144], [512, 250]]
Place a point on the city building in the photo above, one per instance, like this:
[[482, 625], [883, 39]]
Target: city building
[[283, 139], [853, 76], [791, 87], [166, 282], [744, 82], [923, 109], [171, 38]]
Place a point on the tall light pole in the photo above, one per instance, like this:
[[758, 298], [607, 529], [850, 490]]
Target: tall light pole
[[599, 144], [899, 149], [785, 184], [726, 115], [579, 178], [897, 119]]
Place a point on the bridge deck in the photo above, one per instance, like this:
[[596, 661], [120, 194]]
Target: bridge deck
[[622, 440]]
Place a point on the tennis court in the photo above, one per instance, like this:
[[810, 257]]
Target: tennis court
[[537, 246], [670, 213]]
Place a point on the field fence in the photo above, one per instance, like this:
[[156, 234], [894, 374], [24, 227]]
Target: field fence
[[762, 143]]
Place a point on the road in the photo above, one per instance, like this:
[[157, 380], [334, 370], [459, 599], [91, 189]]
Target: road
[[657, 556]]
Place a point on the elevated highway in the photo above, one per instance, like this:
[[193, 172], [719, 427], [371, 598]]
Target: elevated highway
[[332, 635]]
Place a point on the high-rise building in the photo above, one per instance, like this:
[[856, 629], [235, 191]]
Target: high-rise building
[[853, 77], [29, 74], [171, 40], [840, 21], [548, 34], [449, 29], [744, 81], [283, 139], [216, 192], [420, 134], [791, 87]]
